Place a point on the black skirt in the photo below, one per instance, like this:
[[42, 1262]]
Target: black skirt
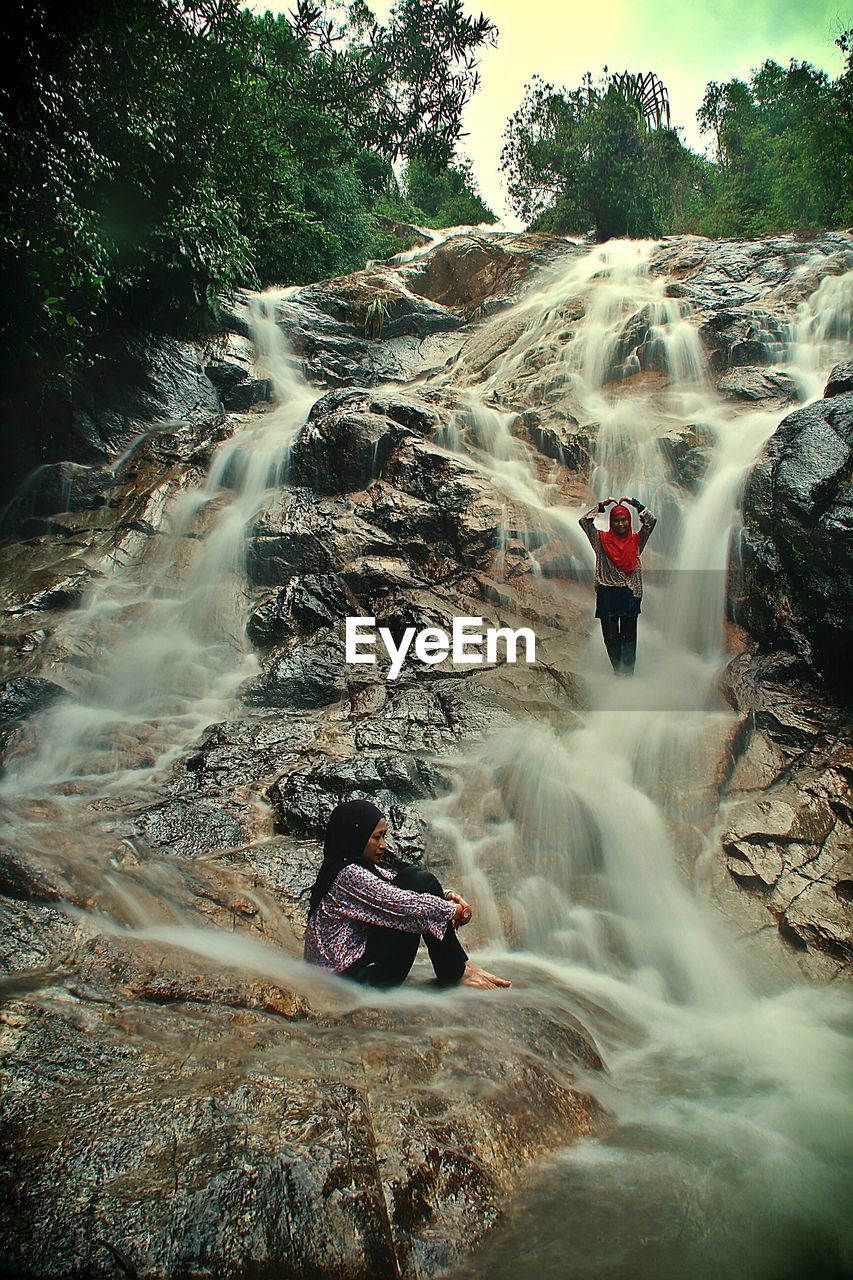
[[616, 602]]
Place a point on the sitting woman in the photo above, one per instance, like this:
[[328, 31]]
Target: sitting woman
[[618, 577], [365, 922]]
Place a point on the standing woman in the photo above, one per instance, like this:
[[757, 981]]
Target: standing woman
[[618, 577], [366, 923]]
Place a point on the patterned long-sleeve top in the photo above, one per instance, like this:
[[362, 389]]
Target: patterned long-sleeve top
[[338, 930], [607, 574]]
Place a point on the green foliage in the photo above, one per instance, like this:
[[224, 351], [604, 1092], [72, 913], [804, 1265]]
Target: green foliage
[[159, 152], [589, 158], [647, 94], [375, 315], [445, 196], [603, 157], [429, 59], [784, 150]]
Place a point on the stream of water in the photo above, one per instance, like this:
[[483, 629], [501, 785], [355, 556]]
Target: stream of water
[[734, 1105], [727, 1155]]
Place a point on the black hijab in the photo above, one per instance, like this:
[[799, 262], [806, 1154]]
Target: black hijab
[[348, 830]]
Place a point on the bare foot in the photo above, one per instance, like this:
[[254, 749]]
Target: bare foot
[[474, 977]]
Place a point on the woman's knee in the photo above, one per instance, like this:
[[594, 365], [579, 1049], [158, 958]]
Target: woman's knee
[[418, 881]]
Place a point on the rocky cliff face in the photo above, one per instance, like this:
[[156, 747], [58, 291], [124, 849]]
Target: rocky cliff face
[[796, 550], [236, 1120]]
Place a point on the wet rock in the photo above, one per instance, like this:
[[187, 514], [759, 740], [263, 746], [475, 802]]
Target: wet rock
[[275, 555], [840, 380], [408, 412], [306, 677], [303, 535], [688, 453], [744, 295], [752, 386], [818, 915], [141, 384], [423, 718], [64, 486], [794, 714], [456, 489], [33, 936], [558, 436], [130, 386], [304, 605], [417, 526], [796, 545], [304, 798], [350, 436], [237, 753], [737, 273], [189, 827], [24, 696], [486, 346], [326, 326], [163, 1197], [789, 812], [743, 337], [28, 875], [466, 269], [134, 969], [754, 862], [343, 450], [212, 1161], [230, 369]]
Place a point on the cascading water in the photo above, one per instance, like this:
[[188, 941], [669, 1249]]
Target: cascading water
[[581, 841], [158, 650], [729, 1157]]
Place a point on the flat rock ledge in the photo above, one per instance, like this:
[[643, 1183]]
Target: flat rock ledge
[[218, 1126]]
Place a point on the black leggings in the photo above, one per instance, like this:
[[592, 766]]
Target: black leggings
[[391, 953], [620, 639]]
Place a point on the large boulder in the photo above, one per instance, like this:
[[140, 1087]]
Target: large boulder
[[797, 554], [465, 270], [840, 379], [230, 369], [220, 1129], [766, 389], [786, 840]]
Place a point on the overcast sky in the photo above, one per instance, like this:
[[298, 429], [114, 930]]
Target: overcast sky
[[686, 44]]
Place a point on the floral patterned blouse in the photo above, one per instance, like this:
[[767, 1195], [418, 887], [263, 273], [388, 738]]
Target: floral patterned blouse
[[607, 574], [338, 930]]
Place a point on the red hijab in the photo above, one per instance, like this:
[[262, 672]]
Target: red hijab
[[622, 551]]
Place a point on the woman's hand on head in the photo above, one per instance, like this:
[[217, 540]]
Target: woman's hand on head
[[463, 913]]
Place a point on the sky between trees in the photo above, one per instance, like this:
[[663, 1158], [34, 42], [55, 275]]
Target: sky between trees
[[685, 44]]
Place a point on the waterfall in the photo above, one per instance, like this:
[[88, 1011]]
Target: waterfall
[[583, 838], [597, 835], [157, 651]]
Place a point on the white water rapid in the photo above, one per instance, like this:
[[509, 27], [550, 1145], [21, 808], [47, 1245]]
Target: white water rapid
[[730, 1156], [158, 650], [585, 839]]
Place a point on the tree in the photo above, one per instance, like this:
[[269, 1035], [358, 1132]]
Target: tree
[[427, 58], [444, 196], [596, 156], [158, 152], [783, 147]]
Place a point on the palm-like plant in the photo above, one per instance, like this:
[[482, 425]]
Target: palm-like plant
[[647, 93], [376, 314]]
